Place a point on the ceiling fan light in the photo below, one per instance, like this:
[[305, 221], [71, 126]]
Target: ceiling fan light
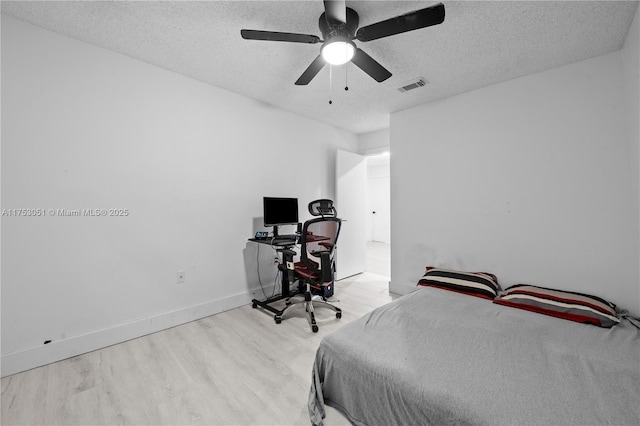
[[338, 52]]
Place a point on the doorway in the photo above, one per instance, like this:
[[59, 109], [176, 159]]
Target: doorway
[[360, 180], [378, 214]]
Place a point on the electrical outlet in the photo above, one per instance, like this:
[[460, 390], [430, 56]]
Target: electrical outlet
[[181, 277]]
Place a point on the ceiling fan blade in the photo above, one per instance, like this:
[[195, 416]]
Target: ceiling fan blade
[[311, 71], [369, 65], [277, 36], [422, 18], [335, 11]]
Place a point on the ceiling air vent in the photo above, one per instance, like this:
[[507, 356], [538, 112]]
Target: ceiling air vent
[[413, 84]]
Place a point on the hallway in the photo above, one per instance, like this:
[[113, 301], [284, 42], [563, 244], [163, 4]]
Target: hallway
[[379, 258]]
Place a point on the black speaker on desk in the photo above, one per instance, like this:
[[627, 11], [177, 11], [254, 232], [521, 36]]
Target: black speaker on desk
[[299, 228]]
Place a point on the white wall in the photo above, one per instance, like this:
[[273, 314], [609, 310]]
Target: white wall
[[86, 128], [631, 64], [374, 142], [529, 179]]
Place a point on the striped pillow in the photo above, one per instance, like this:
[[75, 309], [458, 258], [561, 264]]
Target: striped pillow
[[562, 304], [480, 284]]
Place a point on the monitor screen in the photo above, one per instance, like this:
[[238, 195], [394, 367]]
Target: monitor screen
[[280, 211]]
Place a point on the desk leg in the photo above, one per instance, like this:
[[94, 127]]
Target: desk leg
[[287, 278]]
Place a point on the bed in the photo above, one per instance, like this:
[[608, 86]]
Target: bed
[[440, 357]]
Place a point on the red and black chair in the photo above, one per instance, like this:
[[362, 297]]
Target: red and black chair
[[316, 268]]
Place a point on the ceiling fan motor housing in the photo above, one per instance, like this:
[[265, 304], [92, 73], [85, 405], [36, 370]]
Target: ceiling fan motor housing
[[342, 30]]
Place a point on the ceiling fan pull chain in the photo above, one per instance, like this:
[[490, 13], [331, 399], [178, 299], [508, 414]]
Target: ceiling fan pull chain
[[330, 83], [346, 77]]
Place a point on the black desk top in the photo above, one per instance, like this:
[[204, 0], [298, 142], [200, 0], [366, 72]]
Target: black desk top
[[270, 241]]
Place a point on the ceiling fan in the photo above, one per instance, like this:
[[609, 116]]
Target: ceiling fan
[[338, 25]]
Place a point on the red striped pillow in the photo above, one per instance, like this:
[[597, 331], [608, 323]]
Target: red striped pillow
[[568, 305], [480, 284]]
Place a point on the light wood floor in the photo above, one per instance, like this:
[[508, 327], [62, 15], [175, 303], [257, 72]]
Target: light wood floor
[[234, 368]]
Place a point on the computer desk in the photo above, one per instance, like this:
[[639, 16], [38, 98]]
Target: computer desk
[[284, 247]]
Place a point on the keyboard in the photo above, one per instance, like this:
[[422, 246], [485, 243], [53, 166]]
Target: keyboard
[[285, 239]]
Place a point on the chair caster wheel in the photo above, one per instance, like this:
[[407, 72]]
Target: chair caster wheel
[[278, 320], [338, 314], [314, 328]]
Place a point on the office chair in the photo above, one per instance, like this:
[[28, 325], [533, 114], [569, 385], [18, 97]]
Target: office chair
[[316, 268]]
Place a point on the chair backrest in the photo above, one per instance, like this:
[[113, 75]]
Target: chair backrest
[[318, 242], [322, 207]]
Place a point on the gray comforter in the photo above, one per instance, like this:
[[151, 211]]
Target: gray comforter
[[439, 357]]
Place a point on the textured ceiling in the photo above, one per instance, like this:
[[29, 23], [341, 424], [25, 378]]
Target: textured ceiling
[[479, 44]]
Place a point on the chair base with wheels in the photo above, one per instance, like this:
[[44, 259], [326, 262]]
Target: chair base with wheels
[[309, 304]]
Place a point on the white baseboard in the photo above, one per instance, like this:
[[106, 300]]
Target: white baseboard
[[401, 288], [27, 359]]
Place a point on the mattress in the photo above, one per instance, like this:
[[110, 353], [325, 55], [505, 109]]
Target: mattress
[[439, 357]]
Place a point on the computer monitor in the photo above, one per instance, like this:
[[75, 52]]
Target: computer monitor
[[280, 211]]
